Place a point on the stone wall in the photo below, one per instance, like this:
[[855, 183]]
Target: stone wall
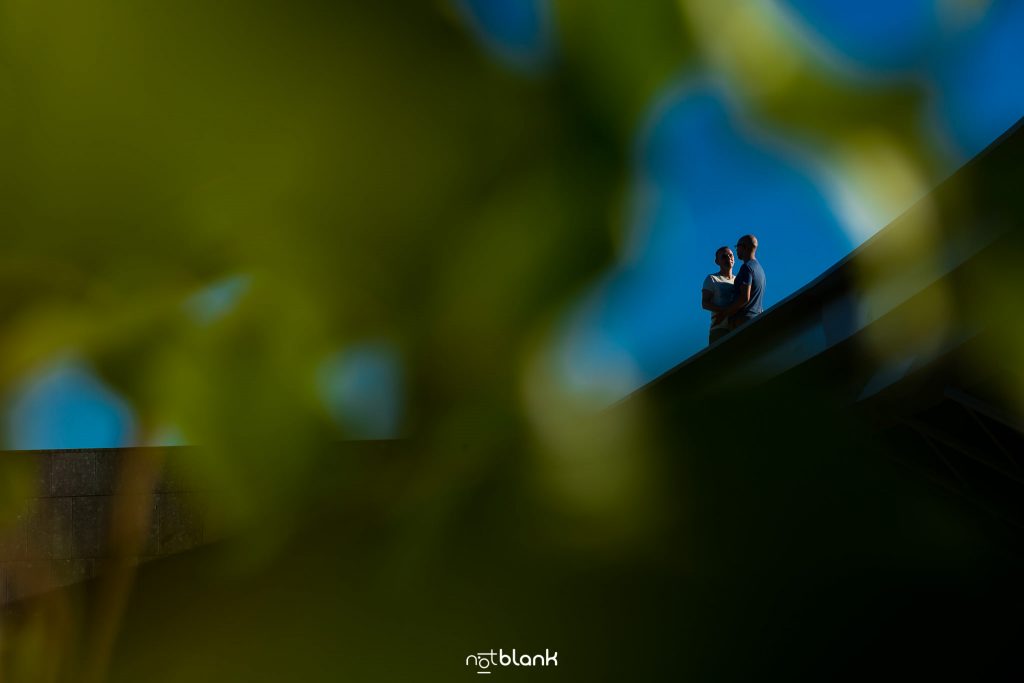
[[64, 514]]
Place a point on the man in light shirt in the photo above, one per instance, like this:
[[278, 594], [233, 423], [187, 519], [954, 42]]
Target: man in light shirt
[[717, 293]]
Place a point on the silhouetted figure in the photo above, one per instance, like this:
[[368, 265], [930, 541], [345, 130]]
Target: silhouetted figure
[[749, 286], [717, 293]]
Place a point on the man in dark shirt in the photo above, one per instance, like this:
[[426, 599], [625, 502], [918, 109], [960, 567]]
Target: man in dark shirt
[[749, 285]]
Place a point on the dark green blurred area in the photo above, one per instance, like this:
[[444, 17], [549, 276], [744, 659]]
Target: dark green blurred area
[[378, 177], [366, 166]]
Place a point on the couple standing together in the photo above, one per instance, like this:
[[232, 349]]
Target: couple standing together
[[734, 301]]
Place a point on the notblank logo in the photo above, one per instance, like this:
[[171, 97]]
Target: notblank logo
[[485, 661]]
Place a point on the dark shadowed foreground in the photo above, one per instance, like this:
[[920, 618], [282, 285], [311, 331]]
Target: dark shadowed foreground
[[863, 511]]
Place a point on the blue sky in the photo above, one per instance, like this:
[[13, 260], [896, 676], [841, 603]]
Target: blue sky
[[703, 176]]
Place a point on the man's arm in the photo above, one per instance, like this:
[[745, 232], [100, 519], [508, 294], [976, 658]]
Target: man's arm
[[706, 297], [742, 297]]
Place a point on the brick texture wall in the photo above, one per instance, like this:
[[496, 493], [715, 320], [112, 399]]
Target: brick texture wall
[[79, 503]]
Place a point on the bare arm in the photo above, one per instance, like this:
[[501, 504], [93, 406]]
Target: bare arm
[[706, 296], [742, 297]]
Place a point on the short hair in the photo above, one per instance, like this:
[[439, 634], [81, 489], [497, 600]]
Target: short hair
[[719, 251], [749, 239]]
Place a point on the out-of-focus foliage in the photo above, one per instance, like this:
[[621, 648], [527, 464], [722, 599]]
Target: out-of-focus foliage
[[366, 167], [367, 170], [371, 175]]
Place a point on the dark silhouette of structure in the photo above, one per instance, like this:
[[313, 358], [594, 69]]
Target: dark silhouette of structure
[[914, 336]]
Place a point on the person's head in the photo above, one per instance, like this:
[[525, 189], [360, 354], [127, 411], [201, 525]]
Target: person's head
[[724, 258], [746, 246]]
